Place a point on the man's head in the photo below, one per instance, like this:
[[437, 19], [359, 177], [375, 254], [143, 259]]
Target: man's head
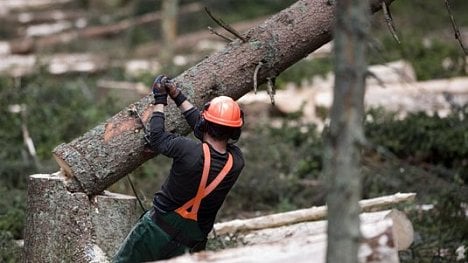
[[221, 118]]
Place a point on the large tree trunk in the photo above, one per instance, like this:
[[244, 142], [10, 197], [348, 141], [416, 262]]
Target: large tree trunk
[[114, 148], [342, 147]]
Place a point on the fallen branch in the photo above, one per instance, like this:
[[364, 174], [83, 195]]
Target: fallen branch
[[304, 215], [218, 34]]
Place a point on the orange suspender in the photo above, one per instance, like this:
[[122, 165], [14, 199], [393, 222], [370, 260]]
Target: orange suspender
[[203, 190]]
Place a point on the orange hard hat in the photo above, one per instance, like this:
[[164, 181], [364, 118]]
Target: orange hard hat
[[224, 111]]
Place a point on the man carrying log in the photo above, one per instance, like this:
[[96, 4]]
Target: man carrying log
[[202, 174]]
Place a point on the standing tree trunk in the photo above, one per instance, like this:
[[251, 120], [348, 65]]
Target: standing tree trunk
[[169, 30], [342, 153], [114, 148]]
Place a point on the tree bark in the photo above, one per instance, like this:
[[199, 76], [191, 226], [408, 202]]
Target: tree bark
[[345, 135], [71, 227], [114, 148]]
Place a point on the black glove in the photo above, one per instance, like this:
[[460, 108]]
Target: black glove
[[174, 92], [159, 90]]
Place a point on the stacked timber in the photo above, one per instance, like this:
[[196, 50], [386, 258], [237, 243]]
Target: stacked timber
[[394, 87]]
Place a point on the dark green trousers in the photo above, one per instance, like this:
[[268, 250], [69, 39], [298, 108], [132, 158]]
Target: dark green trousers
[[148, 242]]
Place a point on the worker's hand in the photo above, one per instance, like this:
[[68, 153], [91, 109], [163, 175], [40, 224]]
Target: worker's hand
[[172, 89], [159, 90]]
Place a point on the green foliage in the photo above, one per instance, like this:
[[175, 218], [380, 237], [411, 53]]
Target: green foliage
[[421, 138], [272, 180], [426, 155], [439, 231], [304, 68], [427, 16], [55, 110], [427, 41], [235, 10], [12, 215], [139, 36], [10, 252], [431, 58], [12, 211], [283, 163]]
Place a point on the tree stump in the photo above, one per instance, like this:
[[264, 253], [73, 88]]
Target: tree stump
[[71, 227]]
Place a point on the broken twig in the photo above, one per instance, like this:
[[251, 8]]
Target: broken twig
[[225, 26], [389, 20], [257, 68], [271, 90], [373, 75], [455, 28], [218, 34]]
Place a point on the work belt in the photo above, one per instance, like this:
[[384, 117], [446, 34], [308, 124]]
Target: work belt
[[176, 234]]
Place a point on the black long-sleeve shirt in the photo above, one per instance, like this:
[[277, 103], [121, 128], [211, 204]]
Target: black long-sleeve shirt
[[184, 177]]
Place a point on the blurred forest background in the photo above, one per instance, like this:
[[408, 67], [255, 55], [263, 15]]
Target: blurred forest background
[[42, 105]]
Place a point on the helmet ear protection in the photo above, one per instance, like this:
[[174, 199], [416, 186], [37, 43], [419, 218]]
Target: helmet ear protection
[[217, 118], [200, 126], [236, 133]]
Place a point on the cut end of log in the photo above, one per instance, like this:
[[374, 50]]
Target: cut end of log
[[116, 196], [67, 172], [40, 176], [402, 229], [71, 183], [72, 166]]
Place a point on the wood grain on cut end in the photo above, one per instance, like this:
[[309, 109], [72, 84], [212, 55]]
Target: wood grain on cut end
[[402, 229], [67, 172]]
